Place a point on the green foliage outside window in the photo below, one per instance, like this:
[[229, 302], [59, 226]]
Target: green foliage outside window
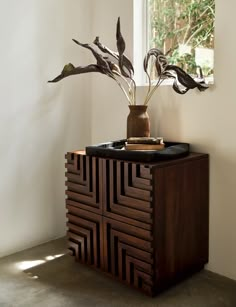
[[176, 23]]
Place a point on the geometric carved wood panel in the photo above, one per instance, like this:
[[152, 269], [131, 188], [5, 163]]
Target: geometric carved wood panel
[[128, 195], [128, 254], [85, 236], [136, 221], [83, 188]]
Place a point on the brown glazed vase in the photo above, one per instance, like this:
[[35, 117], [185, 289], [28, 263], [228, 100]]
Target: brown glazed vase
[[138, 122]]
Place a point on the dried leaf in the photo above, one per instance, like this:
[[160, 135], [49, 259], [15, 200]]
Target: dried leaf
[[105, 49], [104, 65], [179, 90], [101, 61], [126, 62], [185, 79], [75, 71], [123, 61], [67, 68], [120, 42], [160, 60]]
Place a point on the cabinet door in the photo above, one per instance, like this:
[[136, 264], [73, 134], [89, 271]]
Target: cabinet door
[[127, 192], [84, 188], [128, 254], [85, 239]]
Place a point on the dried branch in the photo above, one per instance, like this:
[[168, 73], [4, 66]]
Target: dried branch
[[124, 69]]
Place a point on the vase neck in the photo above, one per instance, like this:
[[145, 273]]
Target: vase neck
[[138, 108]]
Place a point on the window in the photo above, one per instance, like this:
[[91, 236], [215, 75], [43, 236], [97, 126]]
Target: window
[[182, 29]]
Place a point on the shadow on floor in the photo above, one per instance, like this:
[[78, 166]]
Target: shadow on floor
[[59, 281]]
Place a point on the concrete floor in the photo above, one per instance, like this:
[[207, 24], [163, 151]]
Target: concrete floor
[[46, 276]]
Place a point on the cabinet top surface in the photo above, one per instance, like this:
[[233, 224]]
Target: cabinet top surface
[[191, 156]]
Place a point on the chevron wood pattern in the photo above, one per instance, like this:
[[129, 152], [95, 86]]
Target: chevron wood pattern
[[143, 224], [128, 252], [85, 236], [129, 192], [83, 188]]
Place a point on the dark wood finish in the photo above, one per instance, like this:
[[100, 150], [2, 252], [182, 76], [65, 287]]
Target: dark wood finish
[[84, 182], [127, 193], [85, 236], [128, 254], [143, 224], [181, 220], [138, 122]]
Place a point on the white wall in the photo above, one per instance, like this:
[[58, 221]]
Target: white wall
[[109, 106], [206, 120], [39, 122]]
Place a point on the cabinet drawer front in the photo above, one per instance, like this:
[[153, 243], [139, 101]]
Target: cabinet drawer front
[[127, 192], [85, 236], [83, 182], [128, 254]]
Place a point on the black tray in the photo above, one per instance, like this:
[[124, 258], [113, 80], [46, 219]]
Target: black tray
[[114, 150]]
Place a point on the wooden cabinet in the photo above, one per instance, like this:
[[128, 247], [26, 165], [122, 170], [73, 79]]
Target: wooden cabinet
[[145, 224]]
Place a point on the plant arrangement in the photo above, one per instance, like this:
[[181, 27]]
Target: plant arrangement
[[116, 65]]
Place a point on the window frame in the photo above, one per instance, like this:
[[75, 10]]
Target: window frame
[[140, 44], [140, 40]]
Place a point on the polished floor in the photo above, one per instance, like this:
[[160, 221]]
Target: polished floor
[[46, 276]]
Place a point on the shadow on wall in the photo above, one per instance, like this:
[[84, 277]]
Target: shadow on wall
[[165, 117]]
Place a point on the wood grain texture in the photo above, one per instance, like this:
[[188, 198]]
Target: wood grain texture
[[127, 192], [181, 219], [85, 236], [143, 224], [83, 176], [128, 254]]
